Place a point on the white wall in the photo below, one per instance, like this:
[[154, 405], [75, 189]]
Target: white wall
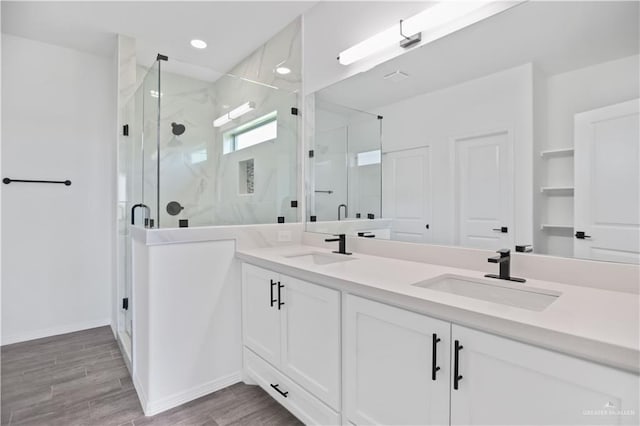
[[499, 101], [58, 111]]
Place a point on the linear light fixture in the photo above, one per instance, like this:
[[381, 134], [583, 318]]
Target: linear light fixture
[[221, 121], [234, 113], [435, 22]]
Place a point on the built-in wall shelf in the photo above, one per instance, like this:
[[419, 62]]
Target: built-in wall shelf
[[558, 227], [556, 152], [557, 190]]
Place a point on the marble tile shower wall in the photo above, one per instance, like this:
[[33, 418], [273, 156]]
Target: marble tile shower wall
[[197, 173], [186, 174]]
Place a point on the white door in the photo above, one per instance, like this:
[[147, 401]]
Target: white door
[[484, 191], [510, 383], [311, 338], [607, 183], [406, 194], [391, 376], [260, 314]]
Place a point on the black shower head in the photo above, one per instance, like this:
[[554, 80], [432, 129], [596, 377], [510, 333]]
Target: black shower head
[[177, 129]]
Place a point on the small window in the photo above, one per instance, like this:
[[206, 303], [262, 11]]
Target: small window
[[263, 129], [198, 156], [369, 157]]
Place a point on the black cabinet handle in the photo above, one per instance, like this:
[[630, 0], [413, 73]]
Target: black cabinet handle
[[502, 229], [273, 283], [456, 377], [434, 363], [581, 235], [279, 391], [280, 303]]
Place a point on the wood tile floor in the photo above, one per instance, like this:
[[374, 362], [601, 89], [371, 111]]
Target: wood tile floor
[[81, 379]]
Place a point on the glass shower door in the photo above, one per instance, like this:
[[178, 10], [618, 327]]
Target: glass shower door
[[136, 168], [129, 172]]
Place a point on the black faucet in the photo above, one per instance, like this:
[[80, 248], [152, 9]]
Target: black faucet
[[342, 243], [504, 260], [133, 212]]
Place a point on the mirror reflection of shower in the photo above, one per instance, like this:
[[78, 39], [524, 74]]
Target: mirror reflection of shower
[[346, 164]]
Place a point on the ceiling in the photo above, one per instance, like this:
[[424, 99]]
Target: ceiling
[[555, 36], [232, 29]]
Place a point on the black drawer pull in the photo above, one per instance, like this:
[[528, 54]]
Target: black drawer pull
[[280, 303], [456, 363], [434, 363], [279, 391], [273, 283]]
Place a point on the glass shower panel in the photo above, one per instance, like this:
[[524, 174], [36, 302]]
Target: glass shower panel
[[254, 156], [187, 139], [151, 96], [241, 172]]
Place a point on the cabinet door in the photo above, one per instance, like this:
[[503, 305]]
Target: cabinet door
[[389, 370], [311, 338], [260, 314], [510, 383]]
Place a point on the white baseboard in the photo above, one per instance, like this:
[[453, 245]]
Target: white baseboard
[[142, 395], [53, 331], [151, 408]]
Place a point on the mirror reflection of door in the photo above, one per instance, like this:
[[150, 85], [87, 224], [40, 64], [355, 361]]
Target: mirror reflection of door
[[484, 191], [607, 183], [406, 194]]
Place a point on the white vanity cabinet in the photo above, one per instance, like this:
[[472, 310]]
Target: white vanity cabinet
[[504, 382], [389, 367], [294, 325], [391, 375], [402, 367]]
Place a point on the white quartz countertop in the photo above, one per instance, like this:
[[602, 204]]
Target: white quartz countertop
[[598, 325]]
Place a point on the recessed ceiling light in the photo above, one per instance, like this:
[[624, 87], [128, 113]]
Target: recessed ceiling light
[[283, 70], [198, 44]]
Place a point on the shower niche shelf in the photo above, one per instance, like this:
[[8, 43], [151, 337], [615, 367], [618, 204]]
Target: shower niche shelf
[[246, 177]]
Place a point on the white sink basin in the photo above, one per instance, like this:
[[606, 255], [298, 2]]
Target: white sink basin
[[319, 258], [495, 291]]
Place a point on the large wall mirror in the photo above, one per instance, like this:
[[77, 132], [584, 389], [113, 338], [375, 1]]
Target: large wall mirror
[[520, 131]]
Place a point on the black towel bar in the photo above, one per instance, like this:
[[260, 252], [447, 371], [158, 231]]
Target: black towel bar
[[8, 181]]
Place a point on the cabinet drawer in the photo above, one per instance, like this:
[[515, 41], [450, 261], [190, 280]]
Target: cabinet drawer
[[298, 401]]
